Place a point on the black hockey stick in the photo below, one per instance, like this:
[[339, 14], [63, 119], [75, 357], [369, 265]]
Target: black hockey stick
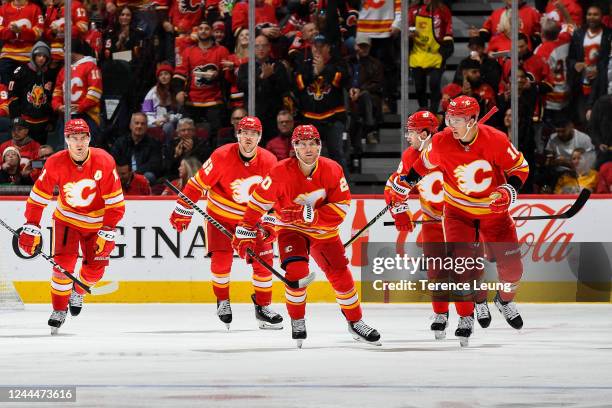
[[91, 290], [302, 283], [583, 197], [368, 225]]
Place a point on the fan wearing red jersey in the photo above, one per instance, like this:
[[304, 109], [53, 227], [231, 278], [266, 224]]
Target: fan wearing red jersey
[[419, 129], [482, 173], [311, 198], [89, 206], [227, 178]]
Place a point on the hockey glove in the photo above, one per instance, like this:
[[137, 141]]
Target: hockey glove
[[403, 218], [399, 190], [105, 243], [244, 239], [303, 214], [266, 233], [502, 198], [181, 217], [30, 238]]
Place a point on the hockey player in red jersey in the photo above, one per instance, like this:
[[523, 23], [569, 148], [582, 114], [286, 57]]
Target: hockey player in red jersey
[[89, 206], [419, 129], [228, 177], [310, 197], [482, 173]]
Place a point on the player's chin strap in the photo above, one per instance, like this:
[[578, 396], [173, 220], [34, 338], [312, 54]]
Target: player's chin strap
[[424, 141], [308, 166]]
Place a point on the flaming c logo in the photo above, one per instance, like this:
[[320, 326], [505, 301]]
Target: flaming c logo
[[318, 89], [80, 193], [242, 188], [37, 96]]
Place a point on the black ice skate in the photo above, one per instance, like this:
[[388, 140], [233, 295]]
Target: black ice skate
[[56, 320], [267, 319], [510, 312], [75, 303], [224, 311], [464, 330], [483, 315], [298, 331], [439, 325], [362, 332]]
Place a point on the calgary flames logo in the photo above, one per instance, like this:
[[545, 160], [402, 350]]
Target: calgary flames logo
[[374, 4], [37, 96], [318, 89], [466, 176], [185, 6], [242, 188], [431, 187], [311, 198], [80, 193], [200, 74]]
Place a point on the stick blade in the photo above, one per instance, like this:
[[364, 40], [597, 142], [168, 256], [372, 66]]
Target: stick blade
[[583, 197], [110, 287]]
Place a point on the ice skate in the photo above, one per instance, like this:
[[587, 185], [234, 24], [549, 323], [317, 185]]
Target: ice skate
[[267, 319], [298, 331], [75, 303], [56, 320], [510, 312], [483, 315], [224, 311], [439, 325], [362, 332], [464, 330]]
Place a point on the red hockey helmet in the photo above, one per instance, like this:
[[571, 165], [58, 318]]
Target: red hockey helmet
[[305, 132], [250, 123], [76, 126], [463, 106], [423, 120]]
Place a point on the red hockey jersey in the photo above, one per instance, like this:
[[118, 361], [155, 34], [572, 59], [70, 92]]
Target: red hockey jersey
[[573, 7], [193, 63], [263, 14], [473, 171], [86, 88], [229, 181], [529, 20], [430, 187], [90, 195], [186, 14], [54, 18], [326, 190], [18, 46]]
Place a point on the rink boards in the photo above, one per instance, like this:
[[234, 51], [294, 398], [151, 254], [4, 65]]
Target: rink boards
[[152, 263]]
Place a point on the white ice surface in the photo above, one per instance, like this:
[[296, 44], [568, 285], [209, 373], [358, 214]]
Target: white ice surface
[[154, 355]]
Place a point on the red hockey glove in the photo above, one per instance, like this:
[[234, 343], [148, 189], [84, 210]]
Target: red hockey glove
[[244, 239], [399, 190], [105, 243], [303, 214], [403, 218], [30, 238], [502, 198], [266, 232], [181, 217]]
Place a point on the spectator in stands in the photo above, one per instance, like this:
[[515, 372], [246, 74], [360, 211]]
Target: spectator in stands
[[187, 169], [271, 85], [564, 11], [144, 152], [508, 123], [219, 32], [124, 35], [472, 85], [232, 65], [581, 175], [529, 16], [21, 25], [587, 63], [133, 184], [34, 167], [10, 173], [604, 185], [5, 121], [600, 128], [265, 18], [381, 21], [197, 80], [185, 144], [228, 134], [300, 49], [564, 141], [28, 148], [281, 145], [160, 105], [490, 70], [432, 41], [30, 93], [365, 92], [85, 93], [54, 26], [320, 87]]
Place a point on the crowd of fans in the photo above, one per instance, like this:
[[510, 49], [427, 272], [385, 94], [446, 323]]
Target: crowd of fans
[[162, 83]]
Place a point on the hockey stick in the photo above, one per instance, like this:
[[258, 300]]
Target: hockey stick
[[302, 283], [368, 225], [583, 197], [111, 287]]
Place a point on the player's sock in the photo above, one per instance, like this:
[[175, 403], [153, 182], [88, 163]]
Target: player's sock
[[266, 317], [362, 332], [221, 284], [298, 331], [464, 329], [509, 311], [224, 311], [440, 322]]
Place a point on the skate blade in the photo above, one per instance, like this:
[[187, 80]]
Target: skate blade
[[440, 334], [54, 331], [299, 342], [227, 325], [269, 326], [362, 340], [464, 341]]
